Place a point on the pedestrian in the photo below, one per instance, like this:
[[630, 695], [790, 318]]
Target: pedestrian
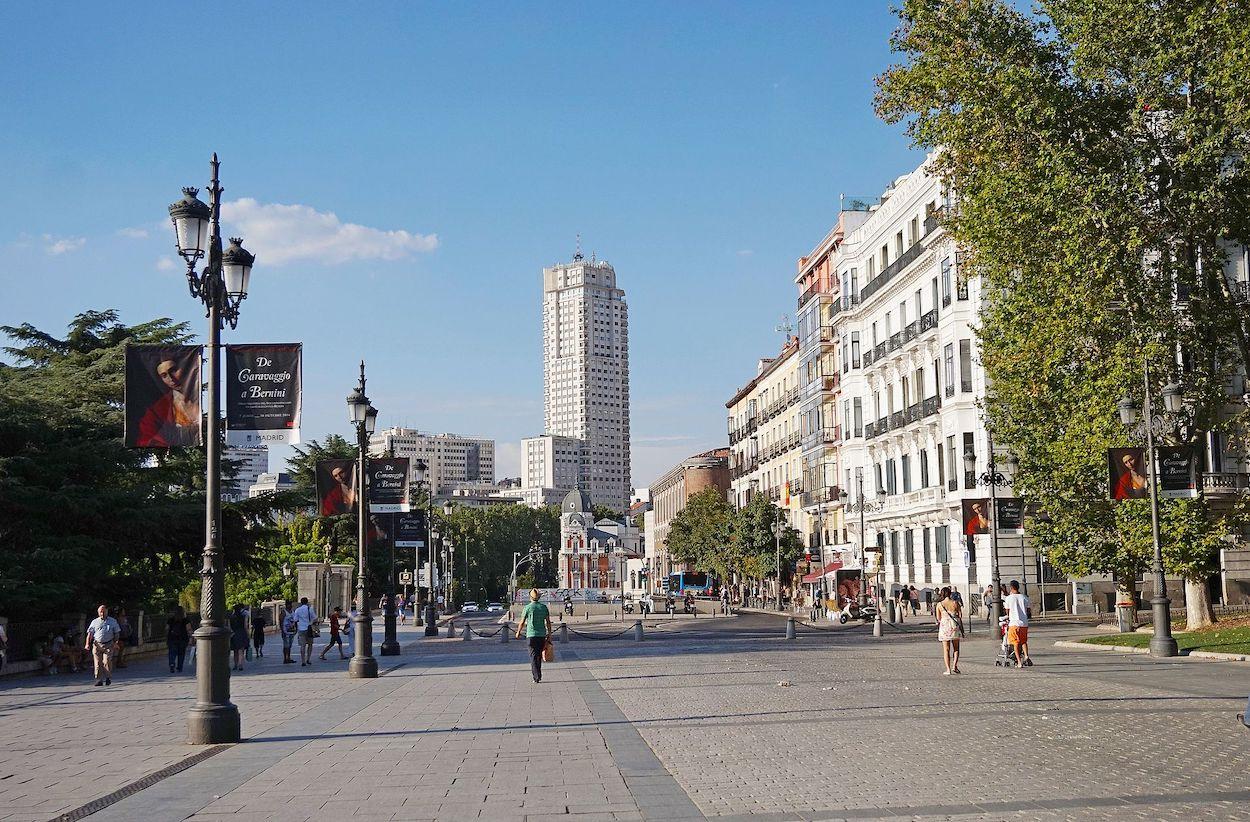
[[4, 646], [238, 635], [348, 630], [900, 603], [101, 641], [1019, 609], [724, 600], [336, 637], [536, 625], [928, 600], [403, 612], [258, 632], [914, 596], [306, 629], [949, 618], [177, 637], [126, 632], [987, 599], [287, 628]]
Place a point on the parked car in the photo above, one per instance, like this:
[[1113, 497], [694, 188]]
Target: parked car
[[468, 608], [495, 607]]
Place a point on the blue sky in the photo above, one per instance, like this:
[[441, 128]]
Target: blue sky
[[404, 171]]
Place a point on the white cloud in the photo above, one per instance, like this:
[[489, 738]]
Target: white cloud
[[55, 246], [165, 264], [279, 234], [745, 252], [133, 233]]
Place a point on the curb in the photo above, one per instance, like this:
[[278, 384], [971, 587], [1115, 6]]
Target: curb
[[1125, 649]]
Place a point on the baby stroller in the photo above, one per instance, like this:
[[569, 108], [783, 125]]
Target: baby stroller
[[1006, 654]]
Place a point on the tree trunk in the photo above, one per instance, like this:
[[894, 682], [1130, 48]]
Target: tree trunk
[[1198, 610]]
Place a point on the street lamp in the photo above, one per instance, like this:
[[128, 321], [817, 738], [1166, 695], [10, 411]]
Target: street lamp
[[364, 416], [286, 570], [221, 285], [449, 555], [992, 478], [779, 528], [1151, 425], [390, 613], [862, 506]]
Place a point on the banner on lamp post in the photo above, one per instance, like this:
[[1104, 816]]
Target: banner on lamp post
[[263, 394], [1127, 473], [336, 487], [410, 530], [1176, 472], [388, 485], [1009, 514], [976, 516], [163, 396]]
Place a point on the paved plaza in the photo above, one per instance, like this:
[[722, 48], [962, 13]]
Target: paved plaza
[[709, 718]]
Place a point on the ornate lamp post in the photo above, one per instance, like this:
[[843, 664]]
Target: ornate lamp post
[[364, 416], [221, 285], [779, 529], [862, 506], [1152, 425], [992, 478], [449, 555]]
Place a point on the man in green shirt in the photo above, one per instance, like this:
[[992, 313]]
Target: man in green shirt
[[536, 624]]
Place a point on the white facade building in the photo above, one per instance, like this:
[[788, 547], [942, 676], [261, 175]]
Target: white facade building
[[252, 462], [451, 461], [271, 484], [586, 375]]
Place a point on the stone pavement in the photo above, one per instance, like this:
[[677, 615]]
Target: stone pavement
[[691, 723]]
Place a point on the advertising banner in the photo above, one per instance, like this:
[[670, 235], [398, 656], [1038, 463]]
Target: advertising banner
[[1176, 472], [163, 396], [410, 530], [1126, 473], [336, 487], [388, 485], [1010, 514], [263, 394], [976, 516]]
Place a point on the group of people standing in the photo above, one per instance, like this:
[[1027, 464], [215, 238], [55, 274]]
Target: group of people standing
[[948, 614]]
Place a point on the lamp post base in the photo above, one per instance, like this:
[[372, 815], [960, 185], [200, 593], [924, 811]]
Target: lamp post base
[[362, 667], [431, 621], [1162, 644], [214, 724], [390, 643]]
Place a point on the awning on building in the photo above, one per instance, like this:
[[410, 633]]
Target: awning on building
[[830, 571]]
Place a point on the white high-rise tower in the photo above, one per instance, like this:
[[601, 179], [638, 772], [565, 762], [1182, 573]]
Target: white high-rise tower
[[586, 373]]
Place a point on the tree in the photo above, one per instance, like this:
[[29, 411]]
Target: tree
[[303, 463], [702, 534], [755, 542], [1097, 151]]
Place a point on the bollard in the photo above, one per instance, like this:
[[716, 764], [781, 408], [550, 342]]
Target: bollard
[[790, 628], [503, 633], [564, 633], [637, 630], [468, 632], [451, 629]]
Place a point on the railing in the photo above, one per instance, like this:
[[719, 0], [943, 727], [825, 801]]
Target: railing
[[826, 334], [970, 479], [1224, 483], [946, 301], [932, 221], [890, 271], [952, 484], [897, 420], [911, 331], [811, 291], [896, 341], [950, 390], [867, 358], [930, 406], [870, 430], [928, 320], [879, 352], [965, 385], [831, 435]]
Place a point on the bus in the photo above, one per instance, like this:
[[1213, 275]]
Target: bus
[[693, 581]]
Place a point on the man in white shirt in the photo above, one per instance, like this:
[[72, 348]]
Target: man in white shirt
[[305, 619], [1017, 606], [103, 634]]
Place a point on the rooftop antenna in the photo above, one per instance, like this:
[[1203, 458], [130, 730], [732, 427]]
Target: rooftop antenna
[[784, 326], [577, 255]]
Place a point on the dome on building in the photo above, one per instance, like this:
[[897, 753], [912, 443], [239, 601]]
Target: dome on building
[[576, 501]]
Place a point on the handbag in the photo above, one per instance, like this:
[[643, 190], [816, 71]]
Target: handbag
[[313, 630], [959, 623], [549, 651]]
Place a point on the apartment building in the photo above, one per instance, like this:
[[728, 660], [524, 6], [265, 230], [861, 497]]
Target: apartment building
[[451, 460], [669, 495]]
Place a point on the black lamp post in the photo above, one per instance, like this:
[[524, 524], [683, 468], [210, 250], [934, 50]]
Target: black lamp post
[[992, 478], [449, 555], [221, 285], [779, 530], [862, 506], [390, 642], [364, 416], [1162, 644], [431, 610]]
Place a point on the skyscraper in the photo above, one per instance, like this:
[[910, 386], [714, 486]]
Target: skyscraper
[[586, 374]]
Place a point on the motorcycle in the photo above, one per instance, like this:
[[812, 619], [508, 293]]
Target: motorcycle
[[853, 610], [687, 607], [568, 607], [670, 606], [627, 606]]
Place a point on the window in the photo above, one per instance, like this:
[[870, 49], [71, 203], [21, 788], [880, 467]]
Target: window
[[877, 469], [935, 292], [915, 230], [855, 285], [898, 245], [918, 304], [905, 467], [845, 350], [924, 468], [906, 391], [965, 366], [928, 546], [909, 547], [894, 547], [874, 335], [948, 368], [858, 412], [946, 281], [941, 536], [919, 383], [952, 463], [969, 448], [891, 477], [855, 349]]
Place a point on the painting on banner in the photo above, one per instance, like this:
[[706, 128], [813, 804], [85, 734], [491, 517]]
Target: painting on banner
[[336, 487], [163, 396], [1126, 473], [264, 388]]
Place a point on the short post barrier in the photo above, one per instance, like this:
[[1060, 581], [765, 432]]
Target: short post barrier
[[637, 630], [467, 631], [790, 628], [451, 629], [564, 632]]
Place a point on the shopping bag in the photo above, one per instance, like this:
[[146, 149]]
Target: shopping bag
[[549, 651]]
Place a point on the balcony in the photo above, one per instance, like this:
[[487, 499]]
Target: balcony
[[932, 222], [830, 381], [811, 291], [949, 391], [827, 335], [895, 342], [879, 352], [928, 320], [911, 332], [830, 436], [1224, 484], [892, 270], [867, 359]]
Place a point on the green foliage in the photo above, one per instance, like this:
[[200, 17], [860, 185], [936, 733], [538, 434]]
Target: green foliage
[[492, 534], [709, 534], [1097, 153]]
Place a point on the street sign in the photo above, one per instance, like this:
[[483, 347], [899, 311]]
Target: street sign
[[405, 577]]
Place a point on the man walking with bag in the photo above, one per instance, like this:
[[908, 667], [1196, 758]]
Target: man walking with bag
[[306, 627], [288, 626], [536, 624]]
